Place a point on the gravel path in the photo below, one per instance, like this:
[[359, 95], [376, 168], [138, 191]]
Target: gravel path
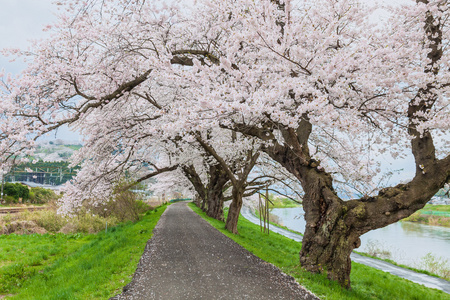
[[189, 259]]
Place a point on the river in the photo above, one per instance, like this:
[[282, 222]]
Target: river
[[406, 242]]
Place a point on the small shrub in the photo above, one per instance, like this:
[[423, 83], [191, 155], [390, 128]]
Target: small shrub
[[49, 220], [10, 199], [40, 195], [125, 207], [32, 197], [16, 190], [88, 223], [437, 265], [373, 248]]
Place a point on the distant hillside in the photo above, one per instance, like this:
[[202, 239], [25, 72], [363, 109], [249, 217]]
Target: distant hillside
[[52, 166], [58, 150]]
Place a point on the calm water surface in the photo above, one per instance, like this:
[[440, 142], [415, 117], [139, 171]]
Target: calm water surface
[[407, 242]]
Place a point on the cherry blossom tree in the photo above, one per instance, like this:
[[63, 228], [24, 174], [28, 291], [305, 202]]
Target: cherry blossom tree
[[271, 176], [207, 178], [317, 85], [237, 168], [327, 90]]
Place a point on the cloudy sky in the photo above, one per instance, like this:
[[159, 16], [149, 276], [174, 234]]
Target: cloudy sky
[[21, 21]]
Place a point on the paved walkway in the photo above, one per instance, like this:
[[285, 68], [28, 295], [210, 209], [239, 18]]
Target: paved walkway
[[189, 259], [426, 280]]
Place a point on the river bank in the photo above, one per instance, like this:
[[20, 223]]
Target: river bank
[[429, 264], [434, 215], [422, 278], [409, 244]]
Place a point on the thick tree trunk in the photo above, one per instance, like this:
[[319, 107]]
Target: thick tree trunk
[[329, 239], [203, 205], [215, 205], [192, 175], [234, 210], [211, 196], [331, 231], [333, 226], [217, 180], [239, 183], [198, 201]]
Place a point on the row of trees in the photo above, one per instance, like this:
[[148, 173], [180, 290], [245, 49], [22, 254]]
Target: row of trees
[[12, 192], [314, 91]]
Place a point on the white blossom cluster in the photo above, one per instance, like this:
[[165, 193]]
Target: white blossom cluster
[[142, 81]]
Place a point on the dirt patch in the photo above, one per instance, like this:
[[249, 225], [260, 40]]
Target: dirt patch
[[22, 227], [68, 228]]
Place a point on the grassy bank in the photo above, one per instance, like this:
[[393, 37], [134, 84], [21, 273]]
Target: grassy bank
[[435, 215], [437, 265], [432, 265], [431, 207], [281, 202], [73, 266], [367, 283]]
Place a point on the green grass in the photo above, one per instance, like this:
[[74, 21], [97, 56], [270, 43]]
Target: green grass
[[75, 266], [367, 282], [400, 265], [280, 202], [435, 215], [445, 208]]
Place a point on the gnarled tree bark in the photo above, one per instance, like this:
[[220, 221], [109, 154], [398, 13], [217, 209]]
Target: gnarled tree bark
[[216, 183], [211, 195], [235, 209], [192, 175], [238, 180], [333, 226]]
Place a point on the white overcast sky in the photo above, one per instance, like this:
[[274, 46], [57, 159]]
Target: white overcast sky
[[21, 21]]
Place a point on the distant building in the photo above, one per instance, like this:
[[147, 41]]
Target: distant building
[[437, 200], [31, 184]]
